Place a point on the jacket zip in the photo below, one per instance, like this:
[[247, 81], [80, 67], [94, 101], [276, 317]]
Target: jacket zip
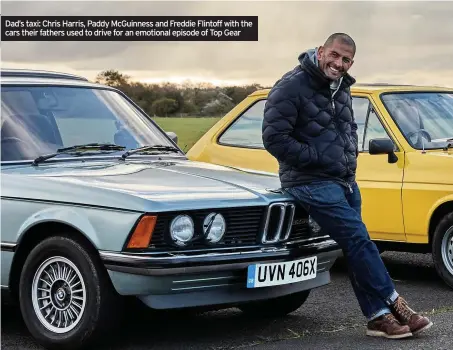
[[346, 184], [350, 188]]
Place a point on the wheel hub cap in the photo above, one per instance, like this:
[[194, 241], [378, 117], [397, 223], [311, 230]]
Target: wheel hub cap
[[447, 250], [61, 294], [58, 294]]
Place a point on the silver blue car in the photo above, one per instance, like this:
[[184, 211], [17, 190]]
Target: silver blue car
[[98, 204]]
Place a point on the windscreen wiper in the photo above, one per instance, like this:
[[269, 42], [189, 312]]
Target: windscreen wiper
[[149, 148], [80, 148]]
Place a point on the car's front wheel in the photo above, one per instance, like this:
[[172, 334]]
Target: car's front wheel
[[65, 296], [277, 307], [443, 249]]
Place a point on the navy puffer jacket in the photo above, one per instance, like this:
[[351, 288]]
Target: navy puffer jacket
[[309, 128]]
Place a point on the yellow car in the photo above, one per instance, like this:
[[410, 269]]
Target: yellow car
[[405, 165]]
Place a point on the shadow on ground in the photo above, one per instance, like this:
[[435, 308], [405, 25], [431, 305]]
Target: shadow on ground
[[408, 267]]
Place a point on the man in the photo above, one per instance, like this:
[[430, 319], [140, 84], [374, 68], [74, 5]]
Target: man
[[310, 129]]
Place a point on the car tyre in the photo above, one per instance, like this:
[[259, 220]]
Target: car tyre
[[64, 278], [277, 307], [442, 249]]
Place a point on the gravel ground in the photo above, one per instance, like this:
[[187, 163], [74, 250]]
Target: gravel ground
[[330, 316]]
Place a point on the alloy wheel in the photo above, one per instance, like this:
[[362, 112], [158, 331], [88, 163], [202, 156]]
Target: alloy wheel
[[58, 294]]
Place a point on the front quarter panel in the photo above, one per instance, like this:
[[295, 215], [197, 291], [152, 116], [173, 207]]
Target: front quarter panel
[[428, 183], [106, 229]]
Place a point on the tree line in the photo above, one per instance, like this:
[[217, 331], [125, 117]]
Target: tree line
[[178, 100]]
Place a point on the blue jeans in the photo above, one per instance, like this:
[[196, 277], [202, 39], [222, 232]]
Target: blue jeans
[[337, 210]]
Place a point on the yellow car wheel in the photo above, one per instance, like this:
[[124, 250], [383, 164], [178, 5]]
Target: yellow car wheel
[[443, 249]]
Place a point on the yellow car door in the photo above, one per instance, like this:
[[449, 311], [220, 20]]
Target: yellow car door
[[380, 181]]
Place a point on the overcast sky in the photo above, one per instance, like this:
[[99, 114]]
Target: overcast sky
[[397, 41]]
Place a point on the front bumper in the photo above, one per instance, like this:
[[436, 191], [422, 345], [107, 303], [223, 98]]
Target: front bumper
[[165, 281]]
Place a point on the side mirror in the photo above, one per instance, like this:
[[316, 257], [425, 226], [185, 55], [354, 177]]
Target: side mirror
[[383, 146], [173, 136]]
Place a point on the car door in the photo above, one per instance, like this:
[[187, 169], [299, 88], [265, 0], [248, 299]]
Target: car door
[[240, 143], [380, 182]]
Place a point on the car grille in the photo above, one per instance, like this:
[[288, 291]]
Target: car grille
[[246, 226], [277, 226]]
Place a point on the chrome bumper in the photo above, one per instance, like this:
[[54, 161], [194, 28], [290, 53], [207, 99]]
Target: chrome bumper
[[174, 263]]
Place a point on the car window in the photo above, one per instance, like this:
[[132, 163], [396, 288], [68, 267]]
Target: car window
[[38, 120], [246, 131], [424, 118], [374, 129], [360, 107], [98, 129]]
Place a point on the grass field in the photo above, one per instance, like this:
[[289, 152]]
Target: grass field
[[189, 130]]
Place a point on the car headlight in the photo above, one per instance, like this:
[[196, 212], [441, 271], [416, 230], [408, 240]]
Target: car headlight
[[182, 229], [313, 225], [214, 227]]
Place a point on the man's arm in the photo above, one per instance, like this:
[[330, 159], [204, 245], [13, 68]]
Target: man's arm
[[280, 114], [354, 132], [355, 138]]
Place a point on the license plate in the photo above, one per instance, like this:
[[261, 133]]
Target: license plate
[[274, 274]]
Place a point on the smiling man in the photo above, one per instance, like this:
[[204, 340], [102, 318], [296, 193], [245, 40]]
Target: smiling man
[[309, 128]]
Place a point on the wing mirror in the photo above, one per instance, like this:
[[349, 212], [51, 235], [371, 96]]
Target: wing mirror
[[383, 146], [173, 136]]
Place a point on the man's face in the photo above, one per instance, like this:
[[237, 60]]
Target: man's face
[[336, 59]]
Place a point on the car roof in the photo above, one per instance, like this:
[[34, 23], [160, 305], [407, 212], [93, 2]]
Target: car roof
[[377, 88], [32, 76]]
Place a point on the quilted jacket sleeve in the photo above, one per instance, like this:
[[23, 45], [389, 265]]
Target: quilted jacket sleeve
[[354, 132], [355, 136], [280, 115]]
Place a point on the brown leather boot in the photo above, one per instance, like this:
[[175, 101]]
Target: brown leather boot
[[387, 326], [407, 316]]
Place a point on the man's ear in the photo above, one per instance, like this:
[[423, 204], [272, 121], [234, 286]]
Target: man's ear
[[320, 52]]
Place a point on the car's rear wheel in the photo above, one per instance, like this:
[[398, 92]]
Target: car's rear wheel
[[65, 296], [443, 249], [277, 307]]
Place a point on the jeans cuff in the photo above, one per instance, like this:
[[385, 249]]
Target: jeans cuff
[[379, 313], [391, 299]]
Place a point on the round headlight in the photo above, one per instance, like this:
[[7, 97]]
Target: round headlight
[[214, 227], [182, 229]]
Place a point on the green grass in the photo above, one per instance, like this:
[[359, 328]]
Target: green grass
[[189, 130]]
